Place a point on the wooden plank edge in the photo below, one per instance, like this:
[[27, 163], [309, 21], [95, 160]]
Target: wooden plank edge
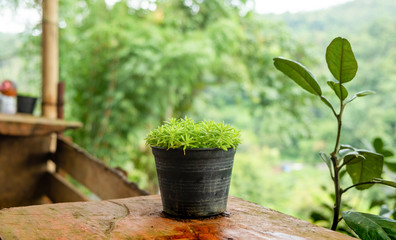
[[59, 190], [28, 125], [65, 147], [30, 119]]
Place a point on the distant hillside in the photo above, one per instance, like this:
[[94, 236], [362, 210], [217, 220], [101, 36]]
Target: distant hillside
[[361, 21], [350, 17]]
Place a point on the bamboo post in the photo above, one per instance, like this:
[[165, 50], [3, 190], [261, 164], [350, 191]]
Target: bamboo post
[[50, 61]]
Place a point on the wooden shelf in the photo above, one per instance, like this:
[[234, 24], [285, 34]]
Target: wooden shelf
[[29, 125]]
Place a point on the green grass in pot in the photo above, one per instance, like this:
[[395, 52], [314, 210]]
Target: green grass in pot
[[187, 134]]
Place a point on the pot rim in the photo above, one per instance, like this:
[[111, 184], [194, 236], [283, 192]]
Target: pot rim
[[193, 149], [26, 96]]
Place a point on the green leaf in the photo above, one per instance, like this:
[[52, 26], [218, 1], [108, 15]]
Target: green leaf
[[377, 203], [385, 211], [391, 166], [386, 153], [369, 226], [367, 169], [360, 94], [353, 157], [364, 93], [327, 102], [341, 60], [346, 146], [327, 160], [342, 173], [378, 144], [386, 182], [343, 152], [317, 216], [299, 74], [336, 88]]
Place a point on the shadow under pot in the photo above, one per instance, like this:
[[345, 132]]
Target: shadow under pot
[[194, 183]]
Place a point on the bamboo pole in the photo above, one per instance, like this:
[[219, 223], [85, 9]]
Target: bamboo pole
[[50, 61]]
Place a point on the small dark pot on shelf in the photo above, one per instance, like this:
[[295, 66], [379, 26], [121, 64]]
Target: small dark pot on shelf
[[195, 183], [26, 104]]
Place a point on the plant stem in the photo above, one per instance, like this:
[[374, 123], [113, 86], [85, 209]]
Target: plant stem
[[339, 126], [336, 168], [337, 191], [337, 203], [361, 183]]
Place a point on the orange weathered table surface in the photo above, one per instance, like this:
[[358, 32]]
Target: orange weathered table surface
[[141, 218]]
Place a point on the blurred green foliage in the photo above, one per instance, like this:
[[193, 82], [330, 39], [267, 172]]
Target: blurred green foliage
[[129, 67]]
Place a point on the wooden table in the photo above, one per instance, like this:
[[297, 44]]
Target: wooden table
[[142, 218]]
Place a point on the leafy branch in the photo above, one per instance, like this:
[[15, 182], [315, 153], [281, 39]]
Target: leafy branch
[[363, 166], [375, 181]]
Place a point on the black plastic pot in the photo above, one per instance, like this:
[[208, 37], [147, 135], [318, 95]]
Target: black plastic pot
[[25, 104], [194, 184]]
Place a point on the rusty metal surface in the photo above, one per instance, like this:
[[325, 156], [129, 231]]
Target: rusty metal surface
[[142, 218]]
